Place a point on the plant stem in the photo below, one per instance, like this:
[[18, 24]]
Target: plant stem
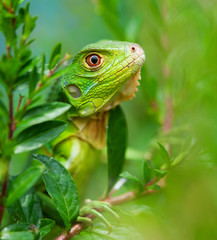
[[40, 84], [66, 57], [8, 49], [169, 115], [10, 10]]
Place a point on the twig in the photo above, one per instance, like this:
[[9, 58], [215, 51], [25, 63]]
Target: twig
[[169, 115], [117, 200], [8, 49], [66, 57], [10, 10], [40, 84], [19, 103]]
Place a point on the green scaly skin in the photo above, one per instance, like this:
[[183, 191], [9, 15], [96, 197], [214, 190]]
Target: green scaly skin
[[92, 91]]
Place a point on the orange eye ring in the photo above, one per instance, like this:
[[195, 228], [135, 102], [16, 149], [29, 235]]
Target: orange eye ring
[[93, 60]]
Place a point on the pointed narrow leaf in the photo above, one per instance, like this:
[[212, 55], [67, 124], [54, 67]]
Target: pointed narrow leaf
[[116, 144], [45, 226], [146, 172], [43, 58], [165, 154], [132, 178], [61, 187], [22, 183], [34, 77], [55, 55], [179, 158], [161, 172], [37, 135]]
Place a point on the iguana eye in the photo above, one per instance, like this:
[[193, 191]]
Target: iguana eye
[[74, 90], [93, 60]]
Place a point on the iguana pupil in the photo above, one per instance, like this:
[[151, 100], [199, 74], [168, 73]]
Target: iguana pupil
[[93, 60]]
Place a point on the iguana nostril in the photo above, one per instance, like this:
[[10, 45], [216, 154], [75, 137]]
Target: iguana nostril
[[133, 49]]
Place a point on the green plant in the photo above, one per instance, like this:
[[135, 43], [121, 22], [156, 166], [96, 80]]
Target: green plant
[[28, 124], [181, 57]]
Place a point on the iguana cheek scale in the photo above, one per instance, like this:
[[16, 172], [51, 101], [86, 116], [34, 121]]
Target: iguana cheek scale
[[101, 76]]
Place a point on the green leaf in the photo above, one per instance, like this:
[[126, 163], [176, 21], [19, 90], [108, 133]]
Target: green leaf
[[161, 172], [178, 159], [136, 209], [42, 113], [45, 226], [34, 77], [146, 171], [3, 108], [130, 177], [50, 80], [116, 144], [122, 232], [37, 135], [109, 10], [42, 65], [133, 28], [28, 66], [55, 55], [16, 235], [27, 208], [20, 226], [61, 187], [89, 235], [29, 23], [16, 232], [165, 155], [49, 208], [156, 187], [22, 183]]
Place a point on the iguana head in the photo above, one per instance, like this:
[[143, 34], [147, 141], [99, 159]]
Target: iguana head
[[102, 75]]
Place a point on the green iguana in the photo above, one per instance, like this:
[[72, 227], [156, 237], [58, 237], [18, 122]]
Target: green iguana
[[101, 76]]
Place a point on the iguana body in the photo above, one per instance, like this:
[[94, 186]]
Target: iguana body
[[100, 76]]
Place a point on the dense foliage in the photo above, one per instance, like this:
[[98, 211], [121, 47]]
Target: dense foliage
[[169, 174]]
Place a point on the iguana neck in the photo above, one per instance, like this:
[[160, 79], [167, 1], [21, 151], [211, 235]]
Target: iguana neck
[[92, 129]]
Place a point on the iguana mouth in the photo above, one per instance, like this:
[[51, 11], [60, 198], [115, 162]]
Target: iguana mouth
[[131, 87]]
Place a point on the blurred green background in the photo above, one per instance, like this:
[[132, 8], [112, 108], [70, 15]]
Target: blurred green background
[[178, 85]]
